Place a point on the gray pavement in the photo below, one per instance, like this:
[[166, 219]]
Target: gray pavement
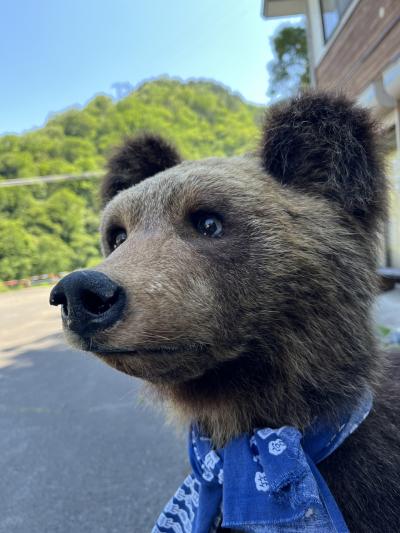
[[78, 452]]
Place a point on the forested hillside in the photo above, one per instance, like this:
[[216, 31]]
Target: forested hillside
[[53, 227]]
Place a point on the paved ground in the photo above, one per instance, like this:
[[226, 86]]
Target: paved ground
[[78, 454]]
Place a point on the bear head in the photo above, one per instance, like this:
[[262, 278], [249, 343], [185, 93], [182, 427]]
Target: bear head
[[241, 287]]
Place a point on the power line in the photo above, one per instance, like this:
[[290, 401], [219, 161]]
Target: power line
[[19, 182]]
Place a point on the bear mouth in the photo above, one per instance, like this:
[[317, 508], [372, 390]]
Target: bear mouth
[[104, 351]]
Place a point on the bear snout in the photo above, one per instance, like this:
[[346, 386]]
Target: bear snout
[[90, 301]]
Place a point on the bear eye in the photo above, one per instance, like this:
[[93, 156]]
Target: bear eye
[[117, 237], [209, 225]]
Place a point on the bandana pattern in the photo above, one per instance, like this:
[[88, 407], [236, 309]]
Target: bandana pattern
[[265, 482]]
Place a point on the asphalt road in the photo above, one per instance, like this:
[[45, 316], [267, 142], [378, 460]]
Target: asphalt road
[[79, 453]]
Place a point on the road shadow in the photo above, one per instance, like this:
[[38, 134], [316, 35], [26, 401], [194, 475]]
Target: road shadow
[[78, 451]]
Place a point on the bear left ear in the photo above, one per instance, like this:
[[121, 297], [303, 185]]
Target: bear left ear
[[137, 159], [325, 145]]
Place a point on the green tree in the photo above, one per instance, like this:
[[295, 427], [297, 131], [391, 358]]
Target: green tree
[[17, 248], [52, 255], [17, 164], [289, 71]]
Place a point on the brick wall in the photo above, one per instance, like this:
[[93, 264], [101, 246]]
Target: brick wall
[[366, 44]]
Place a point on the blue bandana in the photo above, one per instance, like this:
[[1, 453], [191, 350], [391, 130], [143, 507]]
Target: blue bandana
[[264, 482]]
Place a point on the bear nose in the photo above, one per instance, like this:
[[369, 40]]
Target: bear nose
[[90, 301]]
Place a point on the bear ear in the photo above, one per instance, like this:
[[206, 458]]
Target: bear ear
[[137, 159], [324, 144]]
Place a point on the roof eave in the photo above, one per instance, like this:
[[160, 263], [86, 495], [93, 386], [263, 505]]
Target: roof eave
[[283, 8]]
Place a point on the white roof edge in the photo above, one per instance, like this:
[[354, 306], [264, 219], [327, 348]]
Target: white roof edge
[[283, 8], [391, 79], [376, 98]]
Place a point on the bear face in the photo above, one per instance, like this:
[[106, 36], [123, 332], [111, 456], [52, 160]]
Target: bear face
[[248, 280]]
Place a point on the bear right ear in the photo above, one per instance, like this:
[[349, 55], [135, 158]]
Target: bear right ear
[[137, 159], [323, 144]]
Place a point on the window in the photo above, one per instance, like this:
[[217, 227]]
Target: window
[[392, 229], [332, 11]]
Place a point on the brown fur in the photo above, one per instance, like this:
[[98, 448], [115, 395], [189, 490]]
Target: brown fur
[[323, 144], [271, 323]]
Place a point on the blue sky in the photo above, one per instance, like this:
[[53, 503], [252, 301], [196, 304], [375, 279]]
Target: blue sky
[[58, 53]]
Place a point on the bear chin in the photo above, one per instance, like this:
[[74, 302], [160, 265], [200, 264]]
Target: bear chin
[[157, 367]]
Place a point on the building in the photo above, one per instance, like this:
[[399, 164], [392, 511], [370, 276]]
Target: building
[[354, 46]]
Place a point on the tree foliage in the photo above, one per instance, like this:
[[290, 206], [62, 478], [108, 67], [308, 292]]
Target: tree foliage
[[289, 70], [53, 228]]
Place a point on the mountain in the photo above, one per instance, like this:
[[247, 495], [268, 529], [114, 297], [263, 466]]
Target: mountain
[[202, 118]]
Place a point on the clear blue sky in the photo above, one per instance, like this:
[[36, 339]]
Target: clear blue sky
[[58, 53]]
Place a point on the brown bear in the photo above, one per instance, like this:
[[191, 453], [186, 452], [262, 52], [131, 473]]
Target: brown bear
[[241, 289]]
